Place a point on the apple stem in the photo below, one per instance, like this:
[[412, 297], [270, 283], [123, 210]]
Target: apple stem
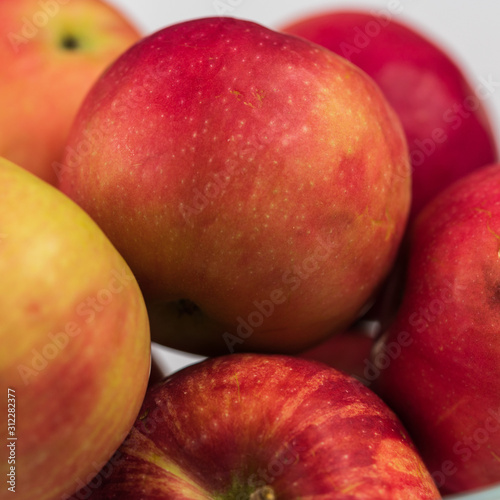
[[263, 493]]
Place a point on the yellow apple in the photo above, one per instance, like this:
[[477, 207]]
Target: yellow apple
[[75, 356]]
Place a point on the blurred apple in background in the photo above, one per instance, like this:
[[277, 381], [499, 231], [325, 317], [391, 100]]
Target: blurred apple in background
[[257, 185], [255, 427], [75, 339], [444, 118], [52, 51], [438, 366]]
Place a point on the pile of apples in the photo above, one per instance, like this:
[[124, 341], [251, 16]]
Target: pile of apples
[[316, 208]]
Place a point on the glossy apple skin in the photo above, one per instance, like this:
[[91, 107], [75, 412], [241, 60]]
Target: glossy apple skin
[[42, 83], [445, 122], [445, 381], [227, 426], [74, 335], [305, 171]]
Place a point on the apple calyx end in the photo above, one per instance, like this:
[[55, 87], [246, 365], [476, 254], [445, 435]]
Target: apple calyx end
[[70, 42]]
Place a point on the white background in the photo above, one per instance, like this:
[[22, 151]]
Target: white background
[[467, 30]]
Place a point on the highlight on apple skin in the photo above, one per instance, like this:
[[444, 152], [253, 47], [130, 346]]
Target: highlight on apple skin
[[52, 52], [74, 332], [258, 185], [444, 116], [254, 427], [443, 381]]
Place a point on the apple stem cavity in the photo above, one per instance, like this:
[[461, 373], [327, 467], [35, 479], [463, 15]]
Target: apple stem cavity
[[263, 493]]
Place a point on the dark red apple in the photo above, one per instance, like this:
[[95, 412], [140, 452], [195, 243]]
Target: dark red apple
[[438, 366], [256, 427], [444, 118]]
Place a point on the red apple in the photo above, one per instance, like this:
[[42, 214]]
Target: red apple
[[439, 364], [257, 184], [444, 118], [255, 427], [345, 351], [74, 361], [52, 51]]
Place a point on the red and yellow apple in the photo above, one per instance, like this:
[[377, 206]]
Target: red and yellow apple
[[258, 185], [263, 427], [438, 366], [75, 354], [444, 117], [52, 51]]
